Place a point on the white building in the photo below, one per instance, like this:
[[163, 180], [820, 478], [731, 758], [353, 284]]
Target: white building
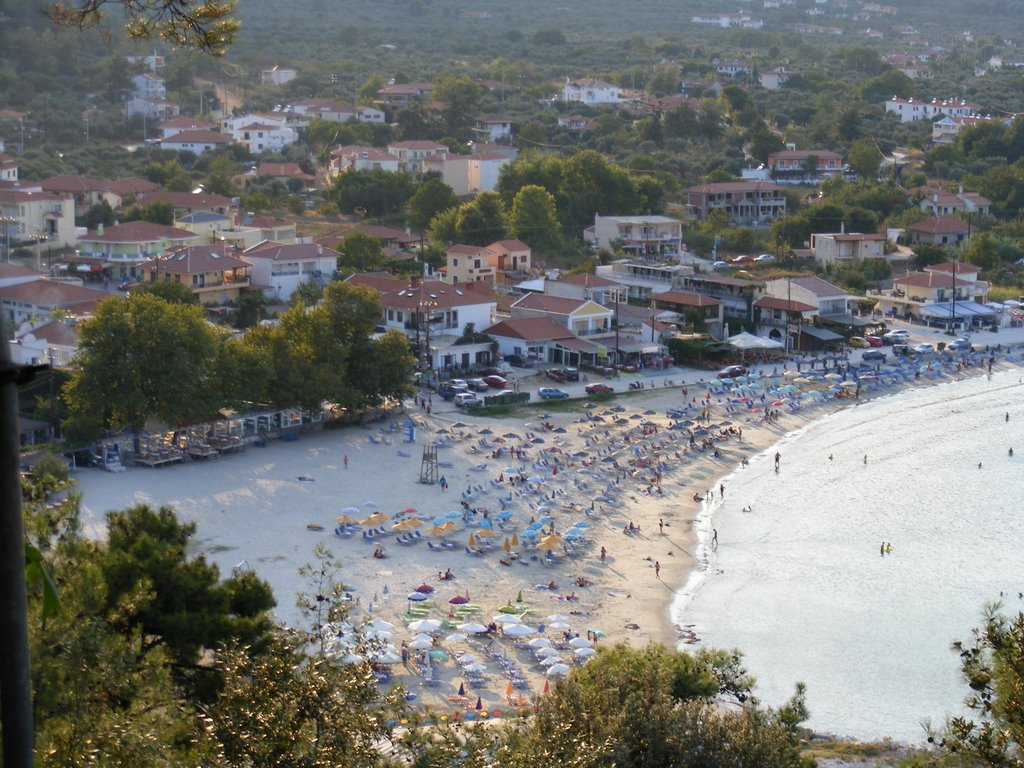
[[278, 75], [915, 109], [648, 237], [280, 268], [591, 91], [195, 141], [335, 112], [468, 174], [259, 137], [359, 158], [412, 154], [30, 215], [149, 86]]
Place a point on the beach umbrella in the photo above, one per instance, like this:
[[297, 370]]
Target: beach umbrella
[[550, 543], [546, 650], [472, 628], [479, 704], [425, 625], [380, 625], [370, 504], [416, 597], [515, 540], [485, 533], [557, 669], [346, 520], [436, 530], [535, 479], [584, 653], [512, 471], [518, 630], [420, 645], [467, 658], [376, 519], [350, 511], [462, 689], [407, 525], [546, 687], [449, 526], [351, 658], [459, 600], [409, 511], [538, 642], [572, 534], [423, 636], [506, 618], [426, 589], [560, 626], [475, 667], [456, 637], [503, 515], [581, 524], [556, 617], [472, 541], [550, 661], [580, 642], [387, 656]]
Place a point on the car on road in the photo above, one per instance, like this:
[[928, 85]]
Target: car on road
[[719, 265], [448, 389], [874, 341], [765, 257], [556, 374], [477, 385], [744, 259], [571, 374], [924, 348], [897, 335], [858, 341], [495, 381], [550, 393], [467, 400], [732, 371], [959, 345], [874, 356], [598, 389]]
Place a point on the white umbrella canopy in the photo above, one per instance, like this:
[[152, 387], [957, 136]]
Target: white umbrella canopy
[[506, 618], [749, 341], [539, 642], [550, 661], [378, 634], [557, 669], [380, 624], [584, 653], [555, 617], [518, 630], [580, 642], [425, 625], [420, 645], [468, 658], [351, 658], [475, 667], [423, 636], [561, 626], [472, 628], [456, 637], [387, 657], [547, 650]]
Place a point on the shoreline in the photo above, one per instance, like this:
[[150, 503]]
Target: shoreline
[[246, 508]]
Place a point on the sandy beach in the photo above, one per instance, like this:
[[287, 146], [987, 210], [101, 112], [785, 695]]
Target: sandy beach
[[586, 475]]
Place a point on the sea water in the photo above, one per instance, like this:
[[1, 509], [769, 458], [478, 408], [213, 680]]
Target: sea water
[[798, 583]]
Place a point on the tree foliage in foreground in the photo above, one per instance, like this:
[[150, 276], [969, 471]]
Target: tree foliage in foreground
[[992, 665]]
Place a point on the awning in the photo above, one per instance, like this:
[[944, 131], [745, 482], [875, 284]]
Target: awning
[[821, 334], [961, 309], [577, 345], [641, 347], [89, 268]]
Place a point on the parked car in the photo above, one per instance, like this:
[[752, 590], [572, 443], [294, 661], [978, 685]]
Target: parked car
[[743, 260], [448, 390], [858, 341], [467, 400], [959, 345], [556, 374], [517, 361], [765, 257], [874, 356], [494, 371], [924, 348], [598, 389], [550, 393], [496, 381], [732, 371], [874, 341], [477, 385], [571, 374], [720, 265], [896, 335]]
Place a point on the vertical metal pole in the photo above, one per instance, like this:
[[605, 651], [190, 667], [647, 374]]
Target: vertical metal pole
[[15, 689]]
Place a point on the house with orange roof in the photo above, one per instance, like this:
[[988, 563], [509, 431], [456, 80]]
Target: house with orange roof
[[285, 172], [118, 193], [533, 338], [356, 157], [214, 273], [55, 342], [179, 123], [196, 142], [586, 286], [744, 202], [120, 250], [938, 230], [581, 316], [190, 202], [412, 154], [938, 284], [34, 302], [84, 191], [279, 268]]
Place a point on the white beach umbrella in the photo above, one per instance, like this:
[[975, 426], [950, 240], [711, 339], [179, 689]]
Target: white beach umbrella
[[557, 670], [584, 653], [550, 661], [475, 667], [425, 625], [351, 658], [556, 617], [378, 634], [467, 657], [420, 645], [387, 657], [518, 630], [539, 642], [380, 624], [472, 628], [456, 637], [561, 626], [506, 618], [580, 642], [547, 650]]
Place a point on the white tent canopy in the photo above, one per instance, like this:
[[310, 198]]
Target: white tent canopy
[[745, 341]]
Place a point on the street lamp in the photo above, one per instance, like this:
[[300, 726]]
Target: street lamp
[[6, 222]]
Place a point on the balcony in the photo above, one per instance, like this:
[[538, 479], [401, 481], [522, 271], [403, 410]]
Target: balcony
[[227, 281]]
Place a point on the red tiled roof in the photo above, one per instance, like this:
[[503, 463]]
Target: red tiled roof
[[74, 185], [138, 232], [288, 251], [530, 329], [198, 137], [52, 294], [954, 268], [509, 245], [940, 225], [196, 259], [382, 282], [771, 302], [685, 299], [588, 280], [929, 280], [555, 305]]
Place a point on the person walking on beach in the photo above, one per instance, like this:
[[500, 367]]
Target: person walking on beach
[[661, 520], [657, 569], [345, 460], [721, 491], [778, 458], [714, 538], [604, 554], [881, 549]]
